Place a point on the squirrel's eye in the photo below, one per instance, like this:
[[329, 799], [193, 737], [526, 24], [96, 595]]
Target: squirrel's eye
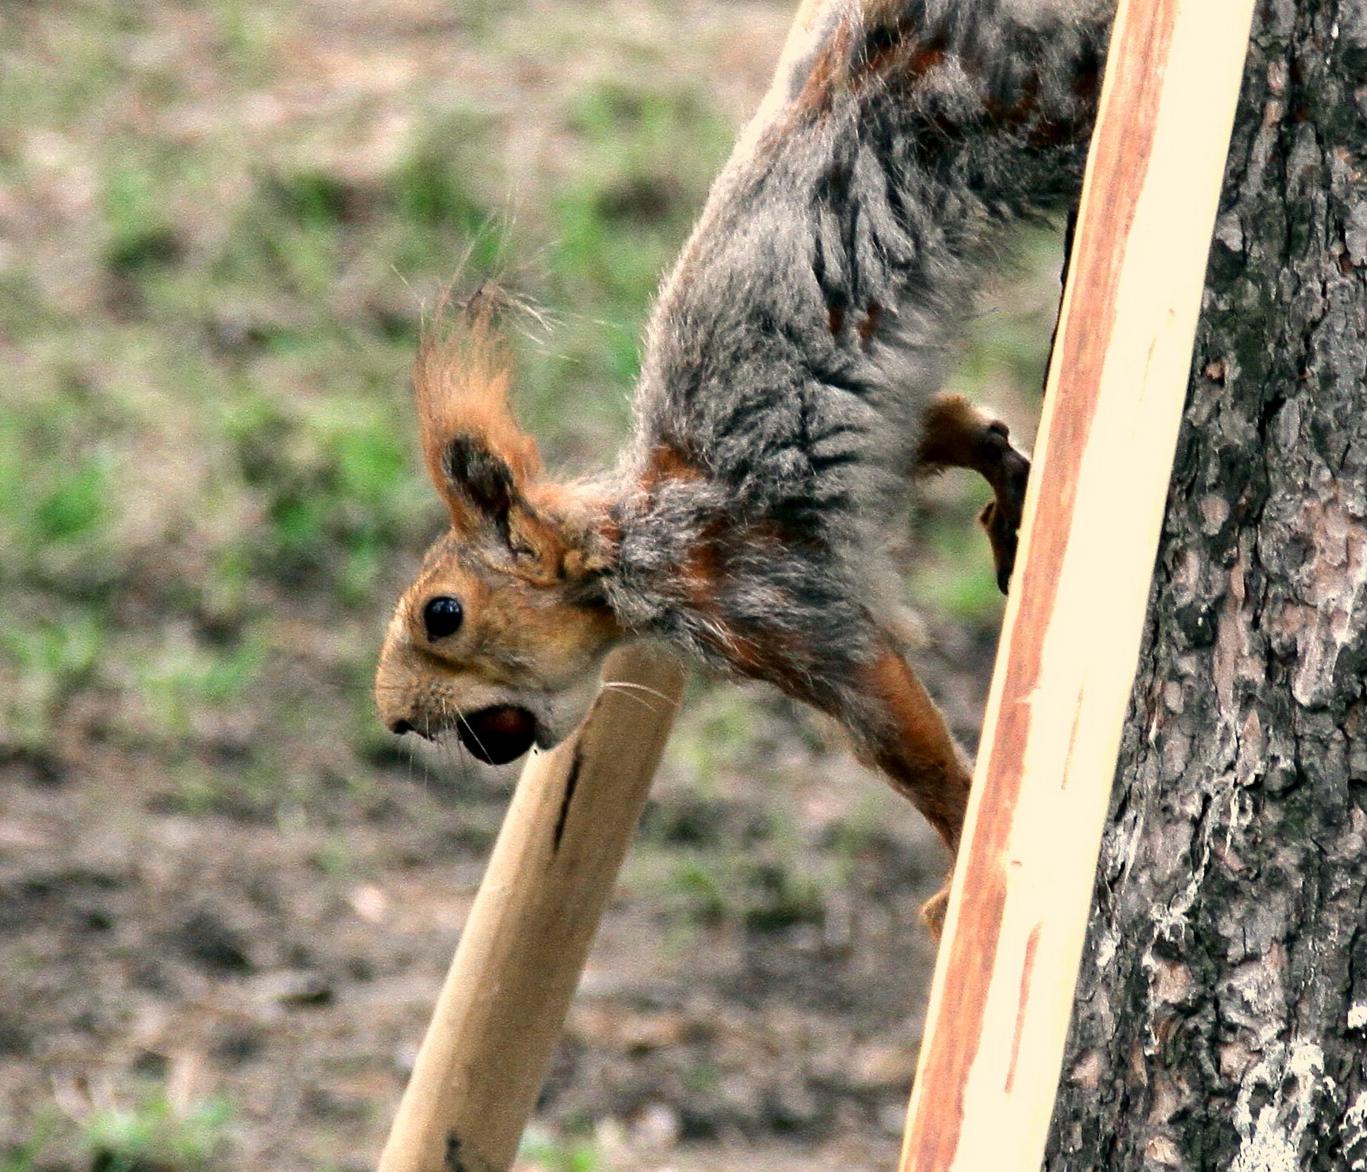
[[441, 616]]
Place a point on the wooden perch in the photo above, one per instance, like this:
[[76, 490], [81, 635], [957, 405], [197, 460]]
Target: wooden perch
[[553, 867], [1003, 986]]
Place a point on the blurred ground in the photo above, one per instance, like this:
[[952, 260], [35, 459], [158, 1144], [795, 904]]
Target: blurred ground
[[227, 898]]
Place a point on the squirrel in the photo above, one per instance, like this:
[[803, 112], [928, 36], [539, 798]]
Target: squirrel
[[787, 400]]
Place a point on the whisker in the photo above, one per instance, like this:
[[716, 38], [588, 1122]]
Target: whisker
[[640, 688], [466, 725], [653, 709], [454, 758], [452, 752]]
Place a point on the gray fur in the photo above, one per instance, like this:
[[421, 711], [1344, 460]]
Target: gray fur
[[895, 195]]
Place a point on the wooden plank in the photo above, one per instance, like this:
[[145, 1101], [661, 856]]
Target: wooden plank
[[1002, 992], [521, 951]]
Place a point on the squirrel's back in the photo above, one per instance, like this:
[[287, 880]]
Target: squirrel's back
[[795, 346]]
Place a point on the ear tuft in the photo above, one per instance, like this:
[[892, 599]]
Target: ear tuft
[[477, 456]]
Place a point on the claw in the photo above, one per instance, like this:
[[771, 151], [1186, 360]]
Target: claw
[[1001, 517], [1001, 534]]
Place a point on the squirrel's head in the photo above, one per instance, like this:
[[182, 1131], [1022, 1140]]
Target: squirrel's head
[[501, 635]]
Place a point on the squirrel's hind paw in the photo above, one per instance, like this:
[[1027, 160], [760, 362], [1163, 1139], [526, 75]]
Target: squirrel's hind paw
[[933, 911]]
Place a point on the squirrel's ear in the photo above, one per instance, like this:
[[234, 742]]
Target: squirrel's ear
[[480, 461], [582, 532]]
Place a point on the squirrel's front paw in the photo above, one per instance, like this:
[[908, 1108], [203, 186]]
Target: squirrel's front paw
[[1001, 517]]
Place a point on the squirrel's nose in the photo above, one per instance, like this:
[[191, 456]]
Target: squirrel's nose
[[399, 727]]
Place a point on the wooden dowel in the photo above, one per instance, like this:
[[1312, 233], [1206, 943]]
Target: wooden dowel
[[1003, 987], [523, 947]]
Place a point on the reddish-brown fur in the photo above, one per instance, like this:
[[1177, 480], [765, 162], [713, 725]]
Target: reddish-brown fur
[[892, 55], [954, 431], [959, 435], [868, 325], [667, 463], [462, 377], [914, 748], [827, 71]]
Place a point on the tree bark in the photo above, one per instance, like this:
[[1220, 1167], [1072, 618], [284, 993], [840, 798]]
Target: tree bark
[[1221, 1012]]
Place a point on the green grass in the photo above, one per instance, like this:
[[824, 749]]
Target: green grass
[[58, 501], [154, 1136], [49, 659], [182, 681], [150, 1135], [953, 573], [76, 506], [25, 1156], [139, 234], [337, 490], [713, 741], [432, 196], [769, 887], [551, 1154]]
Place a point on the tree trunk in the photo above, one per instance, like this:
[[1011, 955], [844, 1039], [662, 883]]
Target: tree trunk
[[1221, 1013]]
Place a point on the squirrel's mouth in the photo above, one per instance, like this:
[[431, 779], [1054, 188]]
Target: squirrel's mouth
[[497, 735]]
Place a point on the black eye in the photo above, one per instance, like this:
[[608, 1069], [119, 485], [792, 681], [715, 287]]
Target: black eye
[[441, 616]]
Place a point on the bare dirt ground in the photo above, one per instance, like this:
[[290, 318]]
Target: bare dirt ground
[[227, 899], [743, 992]]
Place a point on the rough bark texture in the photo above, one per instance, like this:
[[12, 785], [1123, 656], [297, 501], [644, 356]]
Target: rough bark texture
[[1221, 1019]]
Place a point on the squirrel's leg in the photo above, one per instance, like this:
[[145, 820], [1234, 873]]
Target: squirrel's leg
[[957, 434], [904, 735]]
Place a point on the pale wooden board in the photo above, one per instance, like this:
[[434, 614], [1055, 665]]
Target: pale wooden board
[[1003, 987]]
